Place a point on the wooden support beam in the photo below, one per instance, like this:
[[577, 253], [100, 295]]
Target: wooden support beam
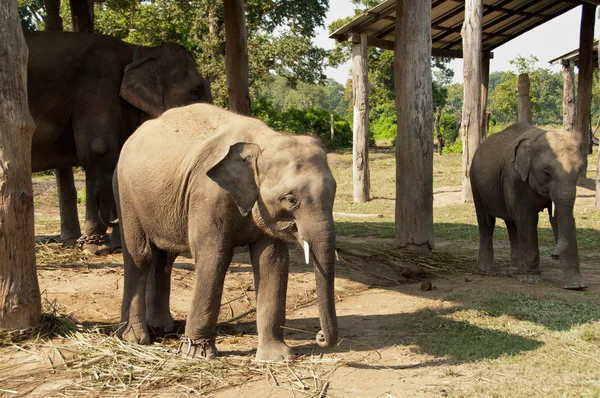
[[82, 15], [598, 163], [236, 56], [52, 20], [471, 114], [568, 97], [360, 146], [585, 78], [485, 82], [414, 141], [523, 88]]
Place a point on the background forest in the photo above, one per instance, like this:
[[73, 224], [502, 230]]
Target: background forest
[[289, 89]]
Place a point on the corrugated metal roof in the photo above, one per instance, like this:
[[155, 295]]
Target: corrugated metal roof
[[572, 57], [503, 20]]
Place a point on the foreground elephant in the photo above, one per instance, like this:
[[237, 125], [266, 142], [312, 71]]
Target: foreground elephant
[[208, 180], [87, 94], [517, 173]]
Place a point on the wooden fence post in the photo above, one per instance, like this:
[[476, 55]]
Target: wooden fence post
[[360, 146]]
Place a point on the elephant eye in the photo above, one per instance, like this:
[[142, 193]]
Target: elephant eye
[[289, 201], [547, 174]]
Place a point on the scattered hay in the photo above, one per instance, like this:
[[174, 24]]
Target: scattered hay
[[52, 253]]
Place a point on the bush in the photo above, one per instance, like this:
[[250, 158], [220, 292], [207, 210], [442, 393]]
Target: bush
[[455, 147], [383, 122], [448, 128]]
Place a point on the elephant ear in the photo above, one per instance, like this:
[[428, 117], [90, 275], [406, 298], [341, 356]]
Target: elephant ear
[[237, 173], [522, 157], [141, 87]]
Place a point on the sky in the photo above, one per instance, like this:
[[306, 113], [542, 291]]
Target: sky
[[546, 42]]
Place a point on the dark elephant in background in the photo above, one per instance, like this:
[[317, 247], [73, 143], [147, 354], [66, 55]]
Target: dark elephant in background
[[204, 179], [516, 174], [87, 94]]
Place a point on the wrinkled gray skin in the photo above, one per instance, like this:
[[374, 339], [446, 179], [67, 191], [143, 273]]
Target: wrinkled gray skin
[[87, 94], [208, 180], [517, 173]]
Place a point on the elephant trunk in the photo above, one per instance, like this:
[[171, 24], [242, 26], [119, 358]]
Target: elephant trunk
[[321, 241], [563, 203]]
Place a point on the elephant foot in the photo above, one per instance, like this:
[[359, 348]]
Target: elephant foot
[[197, 348], [574, 282], [490, 271], [69, 242], [94, 245], [162, 323], [274, 351], [136, 333], [529, 278]]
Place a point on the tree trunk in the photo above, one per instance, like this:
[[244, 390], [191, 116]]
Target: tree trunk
[[414, 142], [568, 97], [82, 13], [53, 21], [236, 56], [332, 126], [584, 84], [471, 115], [438, 132], [485, 82], [20, 302], [360, 140], [524, 87]]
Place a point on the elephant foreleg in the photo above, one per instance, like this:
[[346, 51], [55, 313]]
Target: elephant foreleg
[[529, 251], [513, 236], [270, 263], [486, 224], [70, 230]]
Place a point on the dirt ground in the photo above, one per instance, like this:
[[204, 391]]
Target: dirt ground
[[376, 356]]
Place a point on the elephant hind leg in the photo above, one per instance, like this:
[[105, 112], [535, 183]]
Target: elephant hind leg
[[486, 224], [513, 236], [158, 291], [70, 229]]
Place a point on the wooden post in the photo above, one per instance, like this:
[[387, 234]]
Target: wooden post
[[332, 126], [438, 131], [20, 301], [236, 56], [53, 21], [568, 96], [524, 87], [360, 146], [584, 83], [598, 162], [414, 142], [471, 115], [485, 82], [82, 13]]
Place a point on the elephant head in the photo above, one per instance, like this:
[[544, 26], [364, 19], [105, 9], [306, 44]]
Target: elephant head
[[551, 162], [287, 188], [163, 77]]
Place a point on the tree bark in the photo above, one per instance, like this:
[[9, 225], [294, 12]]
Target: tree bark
[[471, 115], [53, 21], [414, 142], [568, 97], [82, 14], [438, 132], [236, 56], [524, 87], [20, 302], [485, 82], [360, 146], [584, 84]]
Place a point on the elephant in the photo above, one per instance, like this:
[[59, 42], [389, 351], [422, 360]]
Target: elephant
[[517, 173], [207, 180], [87, 94]]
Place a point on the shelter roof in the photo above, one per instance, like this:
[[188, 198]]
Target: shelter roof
[[503, 20], [572, 57]]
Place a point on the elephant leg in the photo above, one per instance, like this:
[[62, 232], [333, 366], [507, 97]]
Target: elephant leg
[[212, 261], [554, 224], [486, 224], [513, 236], [529, 251], [270, 263], [70, 230], [158, 292]]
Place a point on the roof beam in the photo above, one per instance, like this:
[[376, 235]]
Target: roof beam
[[390, 45], [592, 2]]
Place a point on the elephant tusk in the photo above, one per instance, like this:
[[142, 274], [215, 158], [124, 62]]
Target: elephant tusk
[[553, 208], [306, 252]]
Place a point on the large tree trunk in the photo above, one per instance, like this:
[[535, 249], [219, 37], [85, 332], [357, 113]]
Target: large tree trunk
[[53, 21], [82, 13], [20, 302], [524, 88], [485, 82], [471, 114], [568, 97], [584, 84], [414, 142], [236, 56], [360, 140]]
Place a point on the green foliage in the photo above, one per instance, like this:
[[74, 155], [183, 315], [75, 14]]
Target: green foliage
[[383, 122], [311, 121], [455, 147], [448, 128]]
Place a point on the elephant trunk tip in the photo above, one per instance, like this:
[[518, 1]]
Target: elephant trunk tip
[[327, 341]]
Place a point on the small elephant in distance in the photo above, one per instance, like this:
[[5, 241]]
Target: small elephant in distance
[[517, 173], [206, 179]]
